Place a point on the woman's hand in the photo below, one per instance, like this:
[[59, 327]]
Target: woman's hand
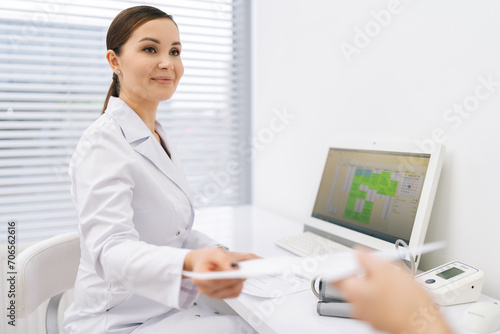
[[239, 257], [216, 259]]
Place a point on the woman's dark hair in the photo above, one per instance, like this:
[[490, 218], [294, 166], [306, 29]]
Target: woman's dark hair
[[124, 24]]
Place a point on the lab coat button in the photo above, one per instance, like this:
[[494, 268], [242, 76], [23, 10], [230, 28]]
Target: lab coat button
[[187, 227], [178, 232]]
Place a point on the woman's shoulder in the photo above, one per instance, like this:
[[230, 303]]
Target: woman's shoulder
[[102, 138], [102, 127]]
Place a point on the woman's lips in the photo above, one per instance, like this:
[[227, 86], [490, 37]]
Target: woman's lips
[[164, 80]]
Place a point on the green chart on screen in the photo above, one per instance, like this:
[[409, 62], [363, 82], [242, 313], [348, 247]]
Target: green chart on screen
[[364, 182]]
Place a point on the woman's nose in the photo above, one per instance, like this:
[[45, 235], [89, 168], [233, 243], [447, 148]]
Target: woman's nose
[[166, 64]]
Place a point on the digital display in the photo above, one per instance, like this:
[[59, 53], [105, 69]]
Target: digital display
[[449, 273], [376, 193]]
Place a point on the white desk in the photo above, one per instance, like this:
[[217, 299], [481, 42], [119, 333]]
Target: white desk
[[250, 229]]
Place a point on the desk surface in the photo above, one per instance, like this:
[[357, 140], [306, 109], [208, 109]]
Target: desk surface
[[250, 229]]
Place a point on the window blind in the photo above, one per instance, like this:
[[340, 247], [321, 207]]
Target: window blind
[[53, 81]]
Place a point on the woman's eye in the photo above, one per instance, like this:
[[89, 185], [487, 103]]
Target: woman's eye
[[150, 49], [175, 52]]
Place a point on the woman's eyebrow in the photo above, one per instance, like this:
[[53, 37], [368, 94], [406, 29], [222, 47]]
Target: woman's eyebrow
[[154, 40], [149, 39]]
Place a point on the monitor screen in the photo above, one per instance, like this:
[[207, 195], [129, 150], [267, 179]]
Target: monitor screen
[[376, 193]]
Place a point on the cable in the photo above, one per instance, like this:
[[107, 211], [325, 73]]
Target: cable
[[407, 251], [313, 287]]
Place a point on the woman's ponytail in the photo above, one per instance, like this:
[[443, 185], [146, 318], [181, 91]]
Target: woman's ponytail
[[114, 90]]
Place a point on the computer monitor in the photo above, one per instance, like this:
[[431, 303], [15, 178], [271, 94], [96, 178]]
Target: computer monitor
[[375, 194]]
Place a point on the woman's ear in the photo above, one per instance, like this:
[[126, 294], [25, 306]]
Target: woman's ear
[[113, 60]]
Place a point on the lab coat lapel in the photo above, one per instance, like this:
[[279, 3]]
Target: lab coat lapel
[[143, 142], [152, 150]]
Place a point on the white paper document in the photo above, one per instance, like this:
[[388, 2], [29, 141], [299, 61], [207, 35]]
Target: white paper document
[[330, 267], [251, 268], [275, 286]]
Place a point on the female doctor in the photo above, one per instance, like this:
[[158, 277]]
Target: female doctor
[[134, 204]]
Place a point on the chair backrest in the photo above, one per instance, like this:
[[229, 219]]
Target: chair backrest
[[46, 269]]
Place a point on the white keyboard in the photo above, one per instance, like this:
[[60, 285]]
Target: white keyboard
[[311, 244]]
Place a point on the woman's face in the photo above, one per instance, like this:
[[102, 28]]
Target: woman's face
[[150, 62]]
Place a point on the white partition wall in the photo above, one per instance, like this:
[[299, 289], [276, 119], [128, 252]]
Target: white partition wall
[[421, 72]]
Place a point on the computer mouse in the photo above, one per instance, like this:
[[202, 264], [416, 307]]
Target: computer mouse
[[482, 317]]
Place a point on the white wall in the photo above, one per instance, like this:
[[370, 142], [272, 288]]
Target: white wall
[[427, 59]]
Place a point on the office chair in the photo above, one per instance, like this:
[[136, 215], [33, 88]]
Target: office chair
[[46, 270]]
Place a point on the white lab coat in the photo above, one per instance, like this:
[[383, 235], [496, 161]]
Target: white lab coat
[[135, 218]]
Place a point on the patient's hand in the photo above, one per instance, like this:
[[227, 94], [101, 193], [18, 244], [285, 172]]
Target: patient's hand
[[390, 300]]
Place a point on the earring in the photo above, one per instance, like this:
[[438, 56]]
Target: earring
[[118, 72]]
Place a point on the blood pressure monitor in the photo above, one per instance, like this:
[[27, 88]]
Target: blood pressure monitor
[[452, 283]]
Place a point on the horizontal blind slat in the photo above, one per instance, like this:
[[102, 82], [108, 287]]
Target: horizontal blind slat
[[28, 199], [30, 189]]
